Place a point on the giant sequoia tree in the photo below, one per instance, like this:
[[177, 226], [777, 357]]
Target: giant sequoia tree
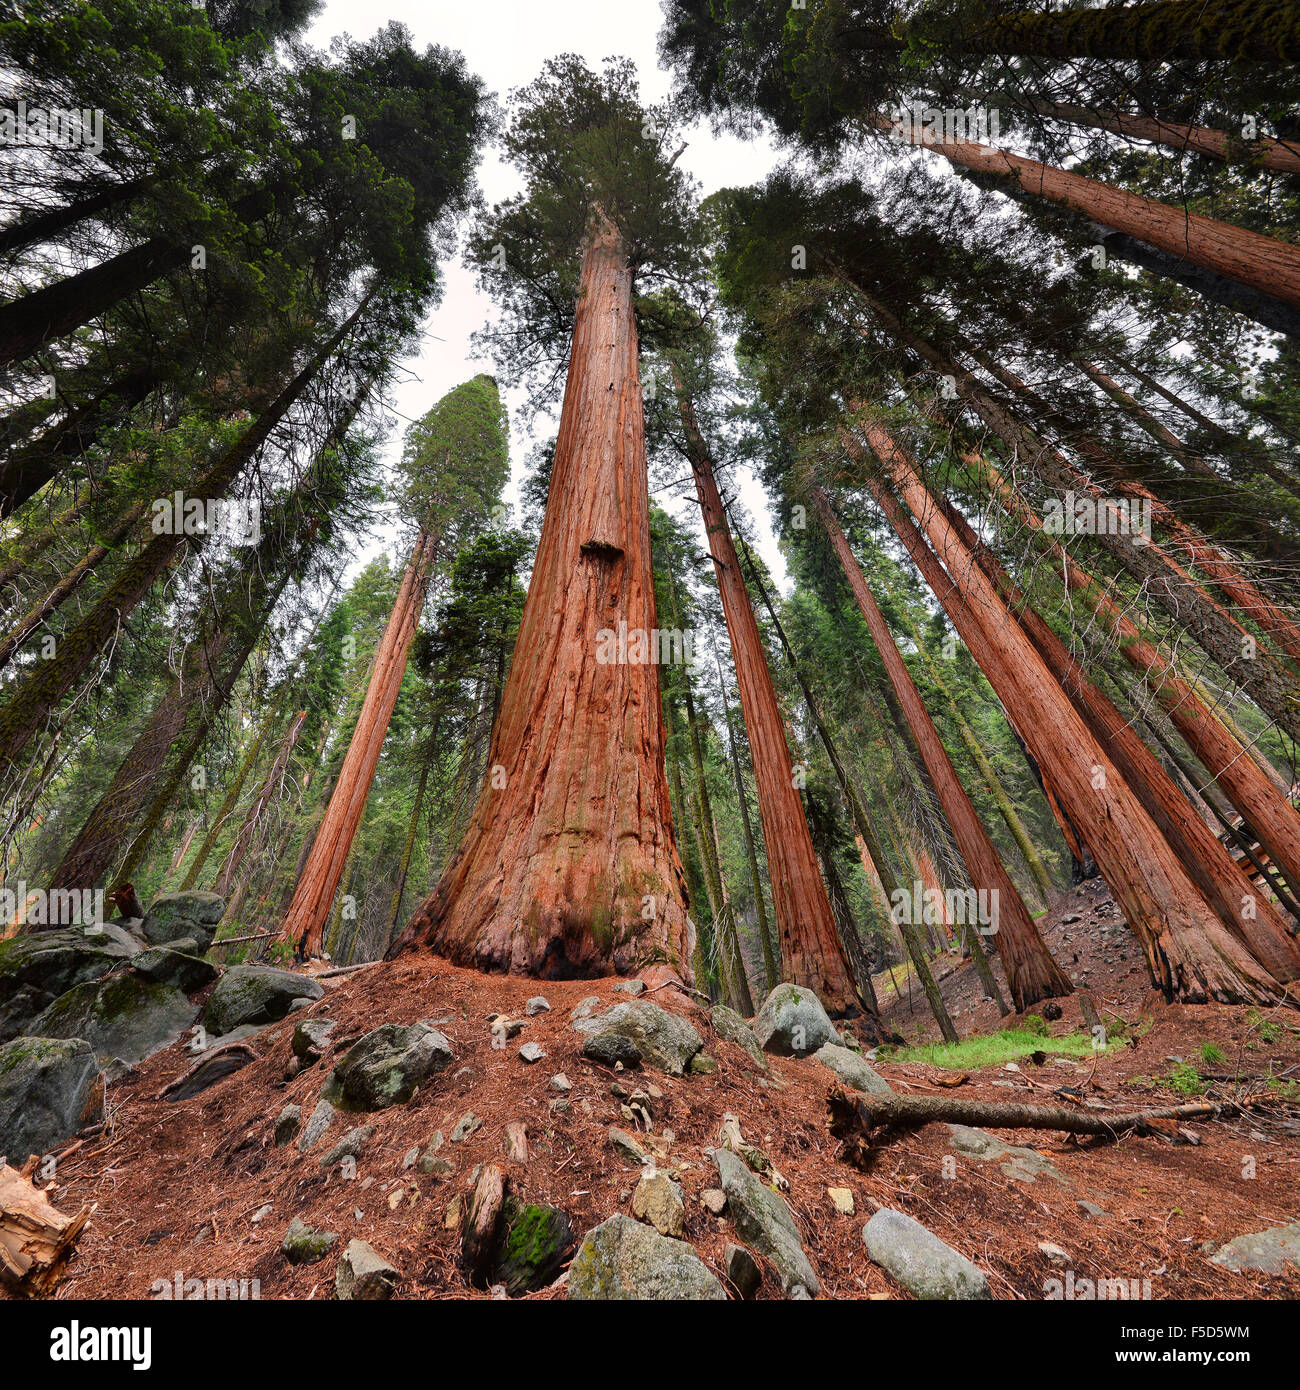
[[569, 864]]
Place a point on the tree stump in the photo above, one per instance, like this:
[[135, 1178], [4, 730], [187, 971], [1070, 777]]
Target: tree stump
[[36, 1240]]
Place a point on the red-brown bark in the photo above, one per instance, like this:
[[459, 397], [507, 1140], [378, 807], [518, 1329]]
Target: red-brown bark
[[304, 922], [1031, 972], [811, 951], [1264, 263], [1191, 953], [569, 866], [1220, 878]]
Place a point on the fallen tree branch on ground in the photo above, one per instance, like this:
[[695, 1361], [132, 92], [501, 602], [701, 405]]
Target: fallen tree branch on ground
[[853, 1119]]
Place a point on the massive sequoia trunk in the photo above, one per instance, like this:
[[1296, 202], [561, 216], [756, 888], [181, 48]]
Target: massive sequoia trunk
[[811, 951], [1031, 972], [308, 912], [1191, 953], [568, 866]]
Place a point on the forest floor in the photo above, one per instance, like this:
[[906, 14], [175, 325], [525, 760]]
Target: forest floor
[[180, 1187]]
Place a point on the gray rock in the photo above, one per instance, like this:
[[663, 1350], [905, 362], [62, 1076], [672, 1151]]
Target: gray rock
[[792, 1023], [364, 1275], [304, 1245], [351, 1145], [663, 1039], [311, 1037], [743, 1270], [1267, 1251], [531, 1052], [714, 1200], [177, 915], [919, 1260], [728, 1024], [628, 1147], [765, 1222], [1091, 1209], [321, 1119], [468, 1123], [538, 1004], [1022, 1164], [612, 1050], [584, 1008], [49, 1089], [702, 1065], [622, 1259], [179, 964], [121, 1016], [560, 1082], [632, 987], [255, 994], [287, 1125], [40, 966], [852, 1070], [387, 1066]]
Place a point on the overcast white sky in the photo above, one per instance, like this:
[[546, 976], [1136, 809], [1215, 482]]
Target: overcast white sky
[[505, 42]]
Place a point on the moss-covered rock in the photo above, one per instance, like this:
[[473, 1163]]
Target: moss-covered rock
[[38, 967], [622, 1259], [123, 1016], [255, 994], [534, 1243], [178, 915], [661, 1038], [304, 1245], [49, 1089], [386, 1066]]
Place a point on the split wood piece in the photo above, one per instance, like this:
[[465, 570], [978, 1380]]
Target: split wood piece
[[36, 1240], [478, 1235]]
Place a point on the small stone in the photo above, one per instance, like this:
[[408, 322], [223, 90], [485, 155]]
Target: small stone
[[1070, 919], [627, 1147], [702, 1065], [451, 1217], [842, 1197], [561, 1105], [619, 1091], [1091, 1209], [585, 1008], [538, 1004], [714, 1199], [1053, 1254], [612, 1050], [632, 987], [261, 1213], [531, 1052], [560, 1082], [350, 1146], [743, 1270], [304, 1245], [925, 1266], [287, 1126], [364, 1274], [411, 1157], [465, 1126], [1267, 1251], [658, 1200]]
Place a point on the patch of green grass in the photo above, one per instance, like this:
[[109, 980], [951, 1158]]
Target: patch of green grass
[[1269, 1031], [994, 1049], [1210, 1054], [1183, 1078]]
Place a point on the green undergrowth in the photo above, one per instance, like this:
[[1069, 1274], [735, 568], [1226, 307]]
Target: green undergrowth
[[996, 1049]]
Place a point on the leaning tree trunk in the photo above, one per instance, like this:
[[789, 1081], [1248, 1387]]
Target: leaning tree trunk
[[1262, 263], [309, 910], [1190, 953], [811, 951], [568, 866], [1032, 974], [1262, 153], [1270, 814], [866, 831], [771, 963], [1221, 880]]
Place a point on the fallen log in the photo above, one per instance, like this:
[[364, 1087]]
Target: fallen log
[[853, 1119], [36, 1240]]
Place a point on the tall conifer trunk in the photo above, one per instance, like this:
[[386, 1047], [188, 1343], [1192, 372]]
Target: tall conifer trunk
[[811, 951], [1191, 954], [568, 867], [308, 912], [1031, 972]]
